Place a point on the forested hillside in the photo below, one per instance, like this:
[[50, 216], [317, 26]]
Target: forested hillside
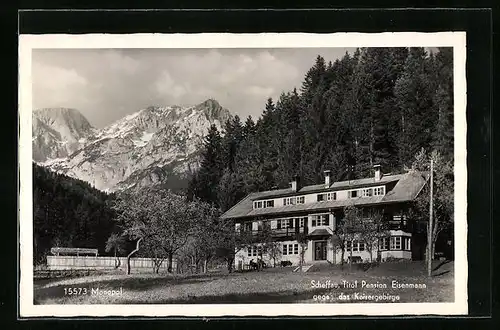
[[376, 106], [68, 213]]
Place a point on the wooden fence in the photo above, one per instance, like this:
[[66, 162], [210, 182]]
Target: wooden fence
[[101, 263]]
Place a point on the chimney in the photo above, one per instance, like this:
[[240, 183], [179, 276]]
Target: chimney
[[378, 174], [295, 183], [327, 178]]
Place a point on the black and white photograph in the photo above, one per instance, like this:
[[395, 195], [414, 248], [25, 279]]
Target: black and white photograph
[[226, 174]]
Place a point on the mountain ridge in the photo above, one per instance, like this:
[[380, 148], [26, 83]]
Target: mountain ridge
[[157, 145]]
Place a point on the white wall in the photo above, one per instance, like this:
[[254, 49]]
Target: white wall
[[242, 256]]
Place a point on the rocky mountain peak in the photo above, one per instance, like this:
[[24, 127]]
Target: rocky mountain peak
[[155, 145], [58, 132], [213, 110], [69, 117]]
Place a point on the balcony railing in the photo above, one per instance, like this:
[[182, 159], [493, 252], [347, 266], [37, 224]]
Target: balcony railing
[[283, 232]]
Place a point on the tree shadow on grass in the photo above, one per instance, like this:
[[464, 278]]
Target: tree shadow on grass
[[441, 273], [441, 264]]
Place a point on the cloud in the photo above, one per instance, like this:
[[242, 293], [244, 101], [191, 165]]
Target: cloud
[[61, 86], [264, 92], [118, 62], [108, 84], [165, 85]]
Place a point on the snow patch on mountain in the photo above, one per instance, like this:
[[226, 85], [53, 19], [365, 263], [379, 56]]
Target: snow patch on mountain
[[58, 132], [155, 145]]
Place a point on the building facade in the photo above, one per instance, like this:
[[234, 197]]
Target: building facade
[[308, 217]]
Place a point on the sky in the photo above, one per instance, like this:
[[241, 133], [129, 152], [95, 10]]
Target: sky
[[108, 84]]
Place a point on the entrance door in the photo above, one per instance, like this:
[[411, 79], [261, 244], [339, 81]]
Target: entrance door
[[320, 250]]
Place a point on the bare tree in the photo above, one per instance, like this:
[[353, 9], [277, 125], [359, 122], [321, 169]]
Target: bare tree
[[270, 246], [231, 241], [115, 243], [302, 240], [371, 229], [350, 227], [443, 194], [205, 235], [160, 218]]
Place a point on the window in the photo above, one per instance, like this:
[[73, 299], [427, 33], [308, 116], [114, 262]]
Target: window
[[269, 203], [379, 191], [367, 192], [396, 243], [252, 251], [285, 223], [247, 226], [327, 197], [237, 227], [407, 243], [289, 249], [331, 196], [289, 201], [263, 204], [384, 243], [300, 200], [260, 225], [302, 222], [353, 194], [320, 220], [357, 246]]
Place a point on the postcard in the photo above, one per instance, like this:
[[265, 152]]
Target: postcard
[[274, 174]]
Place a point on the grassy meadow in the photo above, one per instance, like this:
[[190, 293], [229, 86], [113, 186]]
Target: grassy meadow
[[273, 285]]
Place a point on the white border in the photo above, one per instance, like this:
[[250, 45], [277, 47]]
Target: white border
[[27, 43]]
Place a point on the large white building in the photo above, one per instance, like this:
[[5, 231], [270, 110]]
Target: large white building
[[314, 211]]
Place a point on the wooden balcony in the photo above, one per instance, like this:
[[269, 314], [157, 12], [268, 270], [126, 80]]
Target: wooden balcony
[[284, 232]]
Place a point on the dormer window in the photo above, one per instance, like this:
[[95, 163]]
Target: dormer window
[[379, 191], [300, 200], [289, 201], [263, 204], [368, 192], [331, 196], [353, 194]]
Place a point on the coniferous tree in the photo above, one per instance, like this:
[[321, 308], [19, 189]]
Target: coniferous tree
[[68, 213], [231, 141], [443, 99], [414, 98], [376, 106], [204, 185]]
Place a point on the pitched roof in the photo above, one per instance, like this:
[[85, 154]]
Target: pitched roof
[[320, 232], [407, 188]]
